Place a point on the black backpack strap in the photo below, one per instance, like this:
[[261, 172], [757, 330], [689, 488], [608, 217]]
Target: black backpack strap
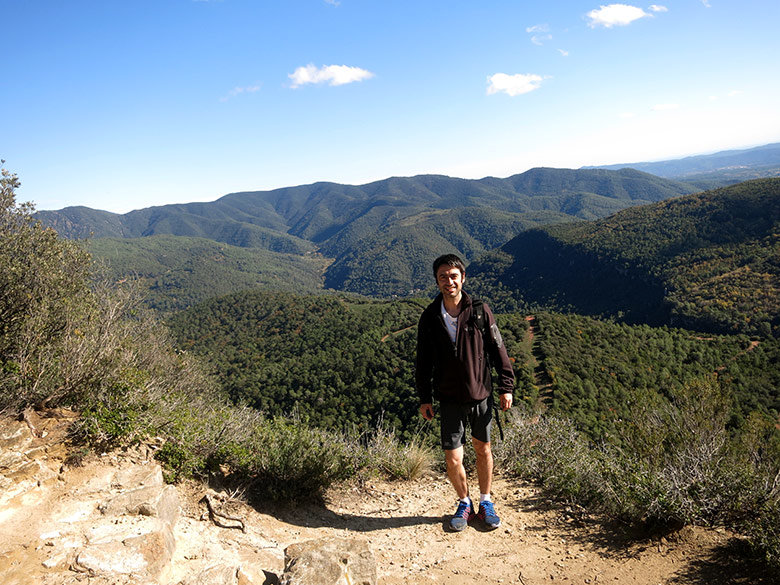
[[478, 315]]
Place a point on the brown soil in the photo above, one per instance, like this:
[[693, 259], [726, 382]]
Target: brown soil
[[539, 541]]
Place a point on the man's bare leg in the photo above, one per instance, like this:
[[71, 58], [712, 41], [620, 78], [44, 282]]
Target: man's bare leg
[[456, 472], [484, 465]]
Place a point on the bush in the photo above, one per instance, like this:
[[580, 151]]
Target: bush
[[69, 339], [397, 459], [553, 452], [281, 460], [44, 290], [674, 463]]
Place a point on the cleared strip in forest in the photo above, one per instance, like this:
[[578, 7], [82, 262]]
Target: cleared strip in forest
[[753, 345], [542, 379], [386, 337]]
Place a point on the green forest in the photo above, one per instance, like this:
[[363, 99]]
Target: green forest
[[709, 262], [599, 371], [341, 362], [175, 272]]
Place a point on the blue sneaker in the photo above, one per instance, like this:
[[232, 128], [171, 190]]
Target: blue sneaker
[[488, 515], [463, 514]]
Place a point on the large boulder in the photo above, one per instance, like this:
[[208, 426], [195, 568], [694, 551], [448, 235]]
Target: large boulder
[[329, 561]]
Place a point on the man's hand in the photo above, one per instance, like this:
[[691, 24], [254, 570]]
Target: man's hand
[[506, 401], [426, 410]]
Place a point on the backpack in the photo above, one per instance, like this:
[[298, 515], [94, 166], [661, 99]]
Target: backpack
[[478, 318]]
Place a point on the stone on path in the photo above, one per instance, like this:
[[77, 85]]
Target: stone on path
[[329, 561]]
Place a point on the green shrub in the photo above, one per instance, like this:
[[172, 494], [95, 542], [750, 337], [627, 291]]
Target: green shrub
[[553, 452], [282, 460], [44, 290], [397, 459], [675, 463]]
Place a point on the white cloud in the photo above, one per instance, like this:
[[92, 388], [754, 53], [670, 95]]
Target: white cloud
[[706, 3], [735, 92], [540, 39], [239, 90], [615, 15], [563, 52], [513, 85], [333, 2], [657, 8], [330, 74], [665, 107], [539, 33]]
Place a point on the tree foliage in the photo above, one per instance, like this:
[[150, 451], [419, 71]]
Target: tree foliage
[[601, 372], [43, 289], [177, 272], [709, 261]]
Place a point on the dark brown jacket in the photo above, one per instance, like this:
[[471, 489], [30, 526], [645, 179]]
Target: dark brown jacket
[[459, 372]]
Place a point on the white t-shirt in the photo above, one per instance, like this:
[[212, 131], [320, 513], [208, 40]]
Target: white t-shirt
[[451, 323]]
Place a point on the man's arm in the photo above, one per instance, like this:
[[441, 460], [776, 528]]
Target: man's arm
[[423, 371], [500, 360]]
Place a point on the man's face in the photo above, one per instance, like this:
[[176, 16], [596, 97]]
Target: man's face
[[450, 281]]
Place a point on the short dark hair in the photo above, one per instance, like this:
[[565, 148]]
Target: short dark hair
[[449, 260]]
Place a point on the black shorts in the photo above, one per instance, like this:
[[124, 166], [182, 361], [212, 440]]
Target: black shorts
[[455, 416]]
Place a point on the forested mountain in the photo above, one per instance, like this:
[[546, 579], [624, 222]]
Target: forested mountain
[[709, 261], [600, 371], [341, 362], [383, 236], [179, 271], [715, 170]]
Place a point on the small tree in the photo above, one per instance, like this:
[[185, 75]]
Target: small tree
[[44, 283]]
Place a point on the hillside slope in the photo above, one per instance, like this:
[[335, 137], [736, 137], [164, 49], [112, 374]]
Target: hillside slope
[[382, 236], [338, 361], [709, 261], [179, 271]]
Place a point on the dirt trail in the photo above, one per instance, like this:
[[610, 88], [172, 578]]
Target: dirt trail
[[538, 542], [394, 333]]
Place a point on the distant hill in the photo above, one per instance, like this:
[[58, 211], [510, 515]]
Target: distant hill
[[709, 261], [382, 236], [179, 271], [714, 170]]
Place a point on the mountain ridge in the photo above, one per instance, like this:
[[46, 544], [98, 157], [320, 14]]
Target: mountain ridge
[[706, 261], [382, 236], [713, 170]]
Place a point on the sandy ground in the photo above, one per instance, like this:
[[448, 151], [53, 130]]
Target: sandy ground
[[539, 541]]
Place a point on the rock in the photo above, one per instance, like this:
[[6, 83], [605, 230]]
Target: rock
[[216, 575], [329, 561], [146, 553], [111, 558], [251, 576], [157, 501]]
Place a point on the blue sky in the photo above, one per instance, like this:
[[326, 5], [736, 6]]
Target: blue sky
[[124, 104]]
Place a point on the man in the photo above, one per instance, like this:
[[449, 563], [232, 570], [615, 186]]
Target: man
[[457, 341]]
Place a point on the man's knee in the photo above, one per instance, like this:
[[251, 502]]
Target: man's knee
[[481, 448], [454, 457]]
